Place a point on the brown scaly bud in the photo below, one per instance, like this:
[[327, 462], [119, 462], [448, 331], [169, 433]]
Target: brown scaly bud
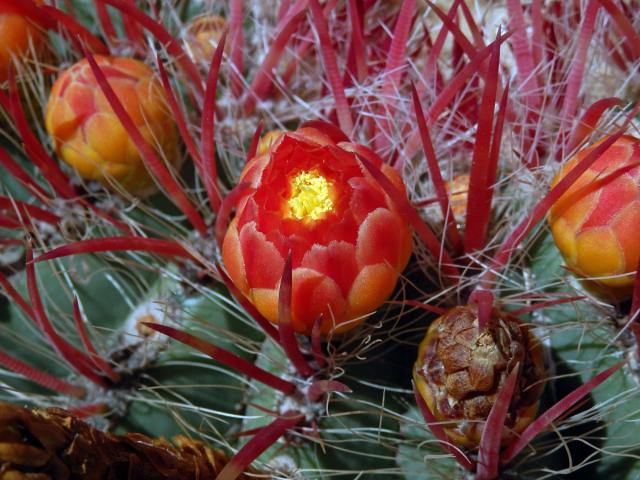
[[460, 370], [54, 445]]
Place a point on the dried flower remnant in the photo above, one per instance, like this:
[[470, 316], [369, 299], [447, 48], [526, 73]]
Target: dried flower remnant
[[595, 223], [460, 370], [54, 445], [19, 37], [348, 243], [88, 135]]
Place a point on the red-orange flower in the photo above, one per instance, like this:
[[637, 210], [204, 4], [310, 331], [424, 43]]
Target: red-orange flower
[[595, 223], [347, 241]]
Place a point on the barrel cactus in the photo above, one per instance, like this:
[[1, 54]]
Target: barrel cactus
[[312, 239]]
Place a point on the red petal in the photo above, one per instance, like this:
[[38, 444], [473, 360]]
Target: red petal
[[380, 238], [315, 294], [263, 263], [336, 260], [365, 198]]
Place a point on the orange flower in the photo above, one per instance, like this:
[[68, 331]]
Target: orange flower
[[18, 36], [595, 223], [88, 135], [348, 243]]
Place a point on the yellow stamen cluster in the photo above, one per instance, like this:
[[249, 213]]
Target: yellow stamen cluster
[[311, 196]]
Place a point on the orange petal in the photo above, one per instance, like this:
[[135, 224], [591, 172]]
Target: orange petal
[[315, 294], [263, 263], [232, 258], [371, 288], [380, 238], [336, 260]]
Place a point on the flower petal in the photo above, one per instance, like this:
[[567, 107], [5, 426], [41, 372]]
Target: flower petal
[[232, 258], [315, 294], [337, 260], [373, 285], [262, 261], [380, 238]]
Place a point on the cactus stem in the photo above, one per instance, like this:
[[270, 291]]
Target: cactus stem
[[97, 359], [285, 327], [436, 178], [113, 244], [258, 444], [21, 175], [164, 37], [440, 434], [74, 357], [210, 177], [563, 405], [225, 357], [151, 159], [332, 71], [546, 304], [490, 442], [41, 378], [14, 295]]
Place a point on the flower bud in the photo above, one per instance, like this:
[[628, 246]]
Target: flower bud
[[348, 243], [460, 370], [595, 223], [202, 37], [88, 135]]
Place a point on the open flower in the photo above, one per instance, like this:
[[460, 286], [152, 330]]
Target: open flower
[[348, 244], [595, 223], [88, 135], [460, 370]]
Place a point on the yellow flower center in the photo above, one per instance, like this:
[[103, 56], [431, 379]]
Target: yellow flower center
[[311, 196]]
